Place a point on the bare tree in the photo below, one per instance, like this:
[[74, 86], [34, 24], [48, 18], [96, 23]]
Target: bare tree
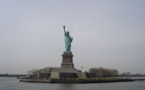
[[104, 72]]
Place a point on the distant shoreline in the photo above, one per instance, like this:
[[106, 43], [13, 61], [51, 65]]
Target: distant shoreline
[[12, 75]]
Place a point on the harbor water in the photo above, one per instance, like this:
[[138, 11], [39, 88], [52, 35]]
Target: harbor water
[[12, 83]]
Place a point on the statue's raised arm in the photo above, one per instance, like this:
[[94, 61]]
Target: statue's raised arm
[[64, 29]]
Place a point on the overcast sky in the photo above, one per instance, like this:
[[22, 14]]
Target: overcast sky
[[107, 33]]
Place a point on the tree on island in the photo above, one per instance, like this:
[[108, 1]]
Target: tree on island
[[104, 72]]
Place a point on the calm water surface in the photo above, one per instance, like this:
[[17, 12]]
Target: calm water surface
[[9, 83]]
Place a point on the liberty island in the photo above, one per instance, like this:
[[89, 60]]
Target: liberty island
[[67, 73]]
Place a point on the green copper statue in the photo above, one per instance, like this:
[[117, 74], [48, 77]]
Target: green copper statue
[[68, 40]]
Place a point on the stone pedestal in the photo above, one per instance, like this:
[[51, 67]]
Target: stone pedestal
[[67, 60]]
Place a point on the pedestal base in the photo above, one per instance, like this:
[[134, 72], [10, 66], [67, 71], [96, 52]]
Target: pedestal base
[[67, 60]]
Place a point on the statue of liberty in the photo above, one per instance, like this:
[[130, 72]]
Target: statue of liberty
[[68, 40]]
